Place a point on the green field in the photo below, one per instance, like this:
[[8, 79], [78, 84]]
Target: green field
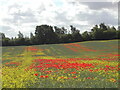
[[90, 64]]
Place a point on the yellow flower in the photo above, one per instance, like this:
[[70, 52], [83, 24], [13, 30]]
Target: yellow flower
[[112, 80]]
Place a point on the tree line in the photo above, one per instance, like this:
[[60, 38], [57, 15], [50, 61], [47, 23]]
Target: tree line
[[46, 34]]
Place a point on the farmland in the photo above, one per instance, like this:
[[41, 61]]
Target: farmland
[[90, 64]]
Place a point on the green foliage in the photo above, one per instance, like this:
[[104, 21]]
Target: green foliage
[[45, 34], [103, 32], [86, 36]]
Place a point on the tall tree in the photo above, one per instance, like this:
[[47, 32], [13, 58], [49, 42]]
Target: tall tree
[[73, 29], [103, 27], [20, 40], [86, 36], [33, 40], [45, 34], [97, 33], [64, 30], [20, 35], [2, 35], [77, 36], [58, 30]]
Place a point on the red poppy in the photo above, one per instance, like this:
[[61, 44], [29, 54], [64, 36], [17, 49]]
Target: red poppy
[[68, 78], [48, 72], [36, 74], [90, 70], [46, 76], [62, 77], [74, 77], [35, 69], [42, 76], [73, 72], [88, 78], [107, 66]]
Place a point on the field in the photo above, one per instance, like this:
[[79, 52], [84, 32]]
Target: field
[[92, 64]]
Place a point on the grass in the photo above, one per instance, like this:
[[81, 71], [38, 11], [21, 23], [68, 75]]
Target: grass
[[92, 64]]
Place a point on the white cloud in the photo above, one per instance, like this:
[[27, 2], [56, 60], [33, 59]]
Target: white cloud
[[25, 15]]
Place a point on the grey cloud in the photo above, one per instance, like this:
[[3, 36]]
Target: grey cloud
[[41, 8], [29, 12], [82, 28], [21, 17], [61, 17], [97, 5], [8, 31], [100, 5], [15, 5], [5, 28], [97, 18], [104, 17]]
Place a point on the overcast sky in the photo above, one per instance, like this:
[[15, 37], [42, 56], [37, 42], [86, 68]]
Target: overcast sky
[[25, 15]]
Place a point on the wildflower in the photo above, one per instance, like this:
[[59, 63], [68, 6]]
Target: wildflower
[[38, 66], [35, 69], [42, 69], [62, 77], [48, 72], [41, 76], [36, 74], [88, 78], [112, 80], [46, 76], [90, 70], [107, 66], [75, 77], [73, 72], [68, 78], [6, 63]]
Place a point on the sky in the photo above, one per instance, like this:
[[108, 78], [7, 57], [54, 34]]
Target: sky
[[25, 15]]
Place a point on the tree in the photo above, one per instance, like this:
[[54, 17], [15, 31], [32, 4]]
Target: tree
[[86, 36], [33, 40], [27, 41], [113, 28], [60, 30], [118, 27], [110, 33], [45, 34], [6, 41], [20, 40], [66, 38], [118, 34], [76, 37], [64, 31], [73, 29], [31, 35], [97, 33], [2, 35], [20, 35], [103, 27], [12, 41]]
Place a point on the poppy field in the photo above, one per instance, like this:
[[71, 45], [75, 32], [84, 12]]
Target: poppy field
[[90, 64]]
